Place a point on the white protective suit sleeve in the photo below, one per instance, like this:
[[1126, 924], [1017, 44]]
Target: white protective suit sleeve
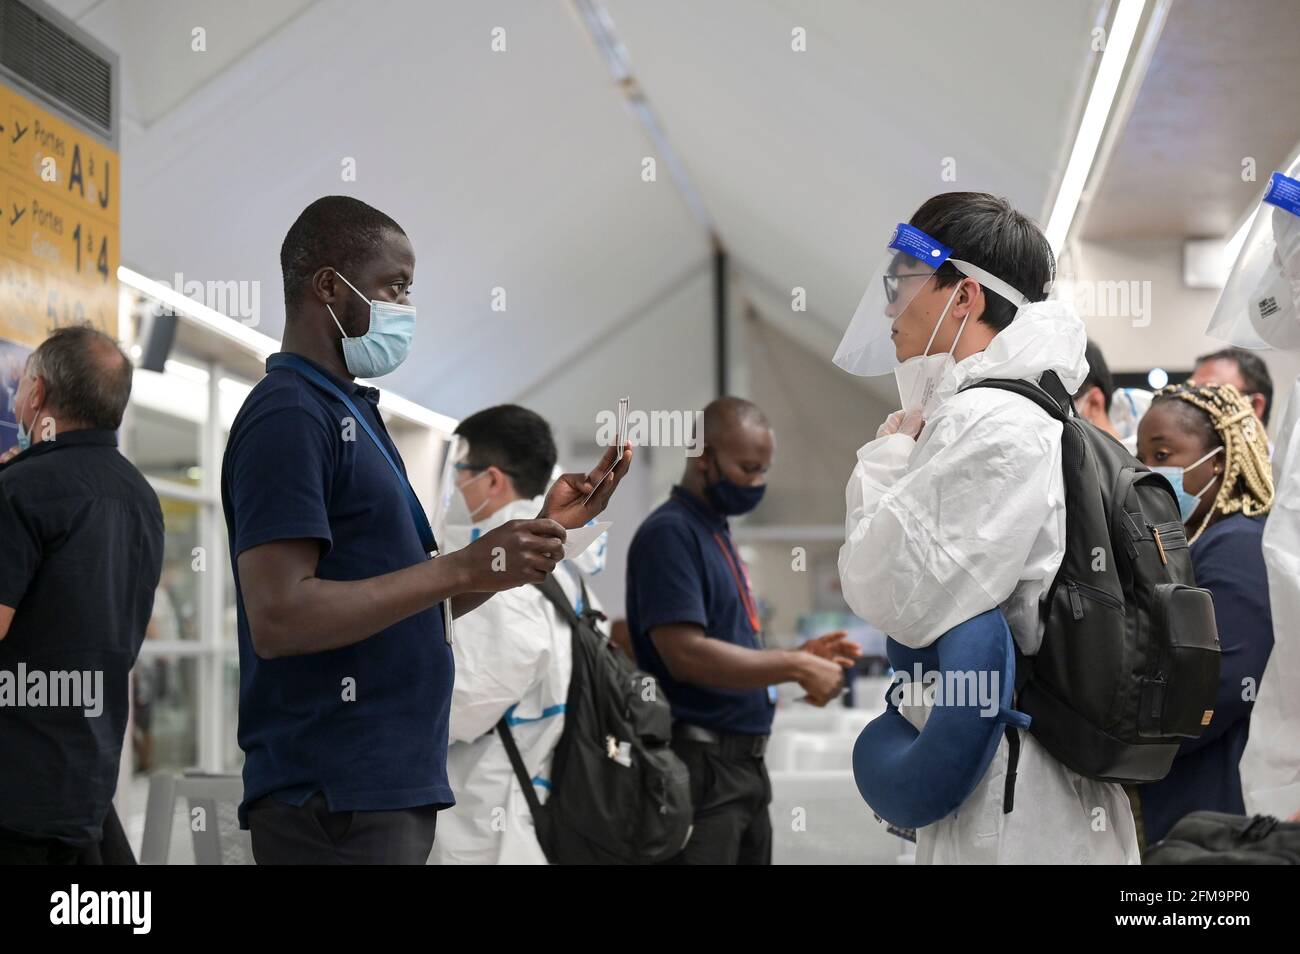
[[501, 650], [940, 530], [1270, 765]]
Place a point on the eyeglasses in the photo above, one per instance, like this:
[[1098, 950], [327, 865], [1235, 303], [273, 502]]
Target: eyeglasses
[[891, 283], [479, 468]]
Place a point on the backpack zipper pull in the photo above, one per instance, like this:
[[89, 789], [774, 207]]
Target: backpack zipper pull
[[1259, 827], [1158, 697], [1076, 604], [1159, 544]]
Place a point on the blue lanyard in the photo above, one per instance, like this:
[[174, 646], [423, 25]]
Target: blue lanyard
[[292, 362]]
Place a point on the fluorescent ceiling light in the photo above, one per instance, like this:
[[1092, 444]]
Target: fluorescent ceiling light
[[1118, 44], [415, 413], [186, 372], [261, 345]]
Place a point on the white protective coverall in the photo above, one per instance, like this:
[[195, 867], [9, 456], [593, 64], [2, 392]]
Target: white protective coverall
[[1270, 765], [969, 517], [512, 653]]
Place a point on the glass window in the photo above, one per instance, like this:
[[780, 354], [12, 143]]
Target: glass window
[[233, 757], [176, 602], [164, 690], [163, 446]]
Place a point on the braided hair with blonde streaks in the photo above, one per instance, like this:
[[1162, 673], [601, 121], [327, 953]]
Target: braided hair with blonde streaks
[[1248, 478]]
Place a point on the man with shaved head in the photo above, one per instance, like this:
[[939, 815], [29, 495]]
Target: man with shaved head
[[695, 626], [82, 533]]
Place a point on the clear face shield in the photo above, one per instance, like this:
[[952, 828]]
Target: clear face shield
[[452, 523], [1260, 304], [1127, 405], [906, 269]]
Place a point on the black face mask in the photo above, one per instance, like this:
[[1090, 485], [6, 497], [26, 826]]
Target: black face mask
[[731, 499]]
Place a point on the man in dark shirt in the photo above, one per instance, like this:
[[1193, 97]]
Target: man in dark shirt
[[695, 626], [346, 667], [82, 538]]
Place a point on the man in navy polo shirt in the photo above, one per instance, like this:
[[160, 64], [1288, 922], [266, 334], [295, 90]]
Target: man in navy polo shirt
[[695, 626], [346, 667]]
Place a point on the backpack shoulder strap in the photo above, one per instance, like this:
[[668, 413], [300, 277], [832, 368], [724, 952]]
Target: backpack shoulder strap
[[1050, 382], [554, 594], [517, 763], [1049, 393]]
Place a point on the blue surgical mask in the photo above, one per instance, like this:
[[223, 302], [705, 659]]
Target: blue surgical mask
[[24, 435], [1187, 501], [731, 499], [385, 344]]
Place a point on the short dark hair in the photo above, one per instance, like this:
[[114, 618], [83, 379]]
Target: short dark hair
[[1254, 374], [1098, 374], [87, 376], [336, 231], [986, 231], [515, 440]]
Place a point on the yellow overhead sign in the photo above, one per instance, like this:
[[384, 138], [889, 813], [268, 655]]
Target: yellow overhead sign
[[61, 213]]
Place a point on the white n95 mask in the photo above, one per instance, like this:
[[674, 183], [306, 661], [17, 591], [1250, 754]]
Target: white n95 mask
[[918, 377], [1274, 308], [1260, 304], [386, 342]]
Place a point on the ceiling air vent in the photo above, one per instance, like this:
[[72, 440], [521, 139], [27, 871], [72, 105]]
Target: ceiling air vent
[[40, 51]]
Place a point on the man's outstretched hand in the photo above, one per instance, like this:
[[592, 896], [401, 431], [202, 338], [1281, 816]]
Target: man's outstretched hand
[[836, 647], [563, 503]]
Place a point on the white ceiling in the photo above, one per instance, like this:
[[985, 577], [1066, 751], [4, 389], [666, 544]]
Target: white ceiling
[[1220, 89], [155, 40], [521, 169], [807, 160]]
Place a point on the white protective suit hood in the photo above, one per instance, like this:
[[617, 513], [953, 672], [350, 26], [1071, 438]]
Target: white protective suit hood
[[1045, 336]]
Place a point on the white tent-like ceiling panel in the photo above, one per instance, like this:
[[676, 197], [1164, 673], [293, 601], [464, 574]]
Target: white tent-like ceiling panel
[[521, 169], [806, 160]]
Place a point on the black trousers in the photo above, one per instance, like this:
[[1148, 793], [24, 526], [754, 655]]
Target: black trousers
[[311, 834], [731, 795], [111, 849]]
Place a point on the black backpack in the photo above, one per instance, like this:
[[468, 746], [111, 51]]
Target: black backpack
[[1129, 662], [619, 794], [1213, 838]]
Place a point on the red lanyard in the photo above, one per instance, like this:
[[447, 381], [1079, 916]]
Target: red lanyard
[[742, 585]]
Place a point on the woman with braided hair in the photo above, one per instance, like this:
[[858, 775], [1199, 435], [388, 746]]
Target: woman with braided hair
[[1209, 443]]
